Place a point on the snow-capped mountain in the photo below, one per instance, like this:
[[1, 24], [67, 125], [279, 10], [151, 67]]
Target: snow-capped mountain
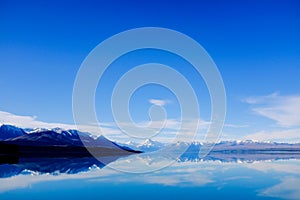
[[52, 166], [35, 130], [53, 137], [9, 131], [57, 136], [70, 132], [252, 145], [146, 146], [48, 137], [222, 146], [150, 145]]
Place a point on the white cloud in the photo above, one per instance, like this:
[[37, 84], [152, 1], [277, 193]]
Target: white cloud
[[28, 121], [165, 131], [287, 189], [236, 125], [110, 130], [177, 175], [32, 122], [261, 99], [285, 110], [24, 181], [159, 102], [285, 135], [278, 166]]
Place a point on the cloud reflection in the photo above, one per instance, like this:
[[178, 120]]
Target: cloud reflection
[[203, 173]]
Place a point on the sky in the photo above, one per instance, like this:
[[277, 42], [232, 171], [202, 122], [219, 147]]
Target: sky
[[255, 45]]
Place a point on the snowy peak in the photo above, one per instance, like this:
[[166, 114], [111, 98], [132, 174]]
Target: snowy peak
[[9, 131], [229, 146], [35, 130], [53, 137], [146, 146], [59, 136], [149, 143], [47, 138], [64, 132]]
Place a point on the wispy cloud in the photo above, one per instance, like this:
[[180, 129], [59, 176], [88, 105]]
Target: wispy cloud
[[167, 130], [110, 130], [24, 181], [287, 189], [261, 99], [284, 110], [159, 102], [284, 135], [28, 121], [236, 125], [177, 175], [32, 122]]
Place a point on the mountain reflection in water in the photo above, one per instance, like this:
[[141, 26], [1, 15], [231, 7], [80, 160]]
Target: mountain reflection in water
[[12, 166]]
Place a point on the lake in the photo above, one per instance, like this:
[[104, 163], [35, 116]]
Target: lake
[[87, 178]]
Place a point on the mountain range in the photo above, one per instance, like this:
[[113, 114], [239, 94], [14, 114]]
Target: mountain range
[[11, 135], [222, 146], [55, 143], [64, 151]]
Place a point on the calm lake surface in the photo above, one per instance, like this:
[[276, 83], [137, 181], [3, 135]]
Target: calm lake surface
[[184, 179]]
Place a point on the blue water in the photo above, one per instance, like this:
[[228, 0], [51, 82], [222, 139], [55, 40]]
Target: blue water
[[268, 179]]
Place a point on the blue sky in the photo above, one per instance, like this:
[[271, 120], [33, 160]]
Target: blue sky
[[255, 44]]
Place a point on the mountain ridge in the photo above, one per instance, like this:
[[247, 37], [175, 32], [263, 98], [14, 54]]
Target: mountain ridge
[[58, 136], [56, 143]]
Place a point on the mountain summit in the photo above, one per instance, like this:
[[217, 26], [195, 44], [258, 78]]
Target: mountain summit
[[9, 131]]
